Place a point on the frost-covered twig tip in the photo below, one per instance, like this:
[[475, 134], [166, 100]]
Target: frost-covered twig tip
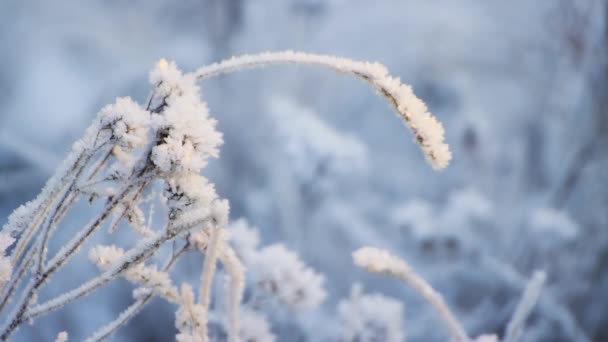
[[525, 306], [380, 261], [428, 132]]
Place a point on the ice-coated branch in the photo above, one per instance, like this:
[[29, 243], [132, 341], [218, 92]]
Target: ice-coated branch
[[17, 276], [122, 319], [26, 219], [236, 274], [130, 312], [525, 306], [130, 258], [236, 287], [147, 276], [133, 257], [428, 132], [209, 267], [380, 261]]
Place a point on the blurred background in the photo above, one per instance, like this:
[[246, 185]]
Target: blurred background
[[318, 161]]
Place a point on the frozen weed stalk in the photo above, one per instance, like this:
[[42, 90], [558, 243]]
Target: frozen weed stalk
[[380, 261], [122, 154]]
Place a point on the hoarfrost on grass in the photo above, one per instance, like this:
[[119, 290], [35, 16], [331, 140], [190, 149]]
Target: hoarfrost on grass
[[370, 317], [125, 150]]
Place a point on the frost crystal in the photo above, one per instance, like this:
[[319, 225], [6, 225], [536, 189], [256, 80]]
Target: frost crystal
[[148, 276], [126, 121], [370, 317], [189, 134], [243, 238], [62, 337], [188, 316], [6, 268], [278, 271], [171, 141], [377, 260], [281, 273], [254, 327], [428, 132], [525, 306]]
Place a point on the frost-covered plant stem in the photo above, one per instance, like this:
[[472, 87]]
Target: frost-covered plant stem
[[427, 131], [10, 288], [236, 285], [380, 261], [61, 258], [68, 199], [132, 257], [130, 312], [525, 306], [137, 178], [207, 275], [170, 140], [42, 211]]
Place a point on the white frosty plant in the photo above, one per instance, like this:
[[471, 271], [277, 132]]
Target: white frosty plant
[[380, 261], [370, 317], [278, 273], [126, 151]]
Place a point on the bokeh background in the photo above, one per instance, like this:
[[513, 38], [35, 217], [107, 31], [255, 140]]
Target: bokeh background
[[318, 161]]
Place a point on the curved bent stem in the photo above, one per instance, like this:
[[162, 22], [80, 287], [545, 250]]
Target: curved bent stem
[[427, 131], [380, 261]]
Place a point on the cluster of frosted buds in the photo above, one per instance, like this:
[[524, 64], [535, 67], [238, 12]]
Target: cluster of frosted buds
[[282, 274], [187, 134], [188, 193], [278, 271], [254, 327], [370, 317], [186, 138], [124, 123], [149, 277]]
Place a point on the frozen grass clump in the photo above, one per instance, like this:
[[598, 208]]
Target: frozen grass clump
[[126, 156]]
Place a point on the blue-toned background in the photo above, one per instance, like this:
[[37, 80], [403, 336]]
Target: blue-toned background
[[317, 160]]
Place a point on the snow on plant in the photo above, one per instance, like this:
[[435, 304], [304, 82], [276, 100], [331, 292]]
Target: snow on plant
[[370, 317], [380, 261], [244, 238], [428, 132], [126, 151], [255, 327], [525, 306], [6, 268], [278, 272], [62, 337]]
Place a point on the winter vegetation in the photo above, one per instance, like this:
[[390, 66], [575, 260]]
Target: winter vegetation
[[129, 147], [122, 154], [275, 196]]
